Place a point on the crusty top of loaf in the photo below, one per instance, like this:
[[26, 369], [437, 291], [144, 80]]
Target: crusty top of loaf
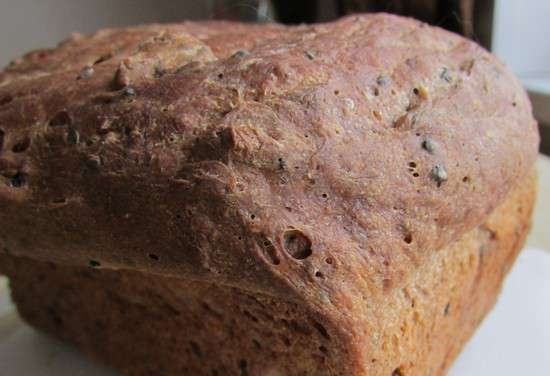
[[334, 156]]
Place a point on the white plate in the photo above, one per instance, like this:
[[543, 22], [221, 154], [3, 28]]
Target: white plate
[[514, 340]]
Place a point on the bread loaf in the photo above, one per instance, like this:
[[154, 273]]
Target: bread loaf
[[215, 198]]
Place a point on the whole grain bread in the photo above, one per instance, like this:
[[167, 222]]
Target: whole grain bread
[[337, 173]]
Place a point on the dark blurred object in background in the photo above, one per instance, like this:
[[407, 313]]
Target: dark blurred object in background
[[471, 18], [243, 10]]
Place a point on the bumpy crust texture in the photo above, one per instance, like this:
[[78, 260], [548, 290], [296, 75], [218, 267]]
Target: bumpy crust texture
[[145, 324], [321, 165]]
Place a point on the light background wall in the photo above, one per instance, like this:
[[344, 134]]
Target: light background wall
[[521, 35]]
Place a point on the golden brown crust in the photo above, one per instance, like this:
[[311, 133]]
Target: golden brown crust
[[145, 324], [318, 165], [200, 157]]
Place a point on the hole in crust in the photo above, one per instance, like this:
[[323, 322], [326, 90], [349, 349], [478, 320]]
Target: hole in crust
[[60, 119], [257, 344], [18, 180], [321, 329], [154, 257], [196, 349], [243, 366], [94, 264], [319, 274], [55, 316], [103, 58], [22, 145], [408, 238], [297, 244], [412, 164], [286, 341], [6, 99], [270, 252], [397, 372], [329, 260]]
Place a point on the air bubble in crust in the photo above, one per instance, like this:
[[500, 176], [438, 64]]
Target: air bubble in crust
[[18, 180], [297, 244], [60, 119], [270, 252], [22, 145]]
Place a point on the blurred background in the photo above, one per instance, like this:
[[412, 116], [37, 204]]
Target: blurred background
[[515, 30]]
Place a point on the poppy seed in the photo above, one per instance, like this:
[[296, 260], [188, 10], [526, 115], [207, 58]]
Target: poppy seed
[[129, 91], [439, 174], [382, 80], [429, 145], [86, 73], [240, 54]]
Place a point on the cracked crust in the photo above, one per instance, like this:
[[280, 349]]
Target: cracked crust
[[316, 164]]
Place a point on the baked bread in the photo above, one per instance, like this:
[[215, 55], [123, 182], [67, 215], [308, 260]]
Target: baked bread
[[215, 198]]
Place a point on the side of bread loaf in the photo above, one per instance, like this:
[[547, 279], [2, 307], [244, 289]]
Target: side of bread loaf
[[145, 324], [321, 167]]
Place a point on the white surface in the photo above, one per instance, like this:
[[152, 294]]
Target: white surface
[[520, 34], [514, 340]]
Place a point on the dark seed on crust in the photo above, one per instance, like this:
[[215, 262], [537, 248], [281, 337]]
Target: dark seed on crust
[[439, 174], [382, 80], [447, 309], [60, 119], [429, 145], [240, 54], [309, 55], [445, 75], [282, 163], [86, 73], [129, 91]]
